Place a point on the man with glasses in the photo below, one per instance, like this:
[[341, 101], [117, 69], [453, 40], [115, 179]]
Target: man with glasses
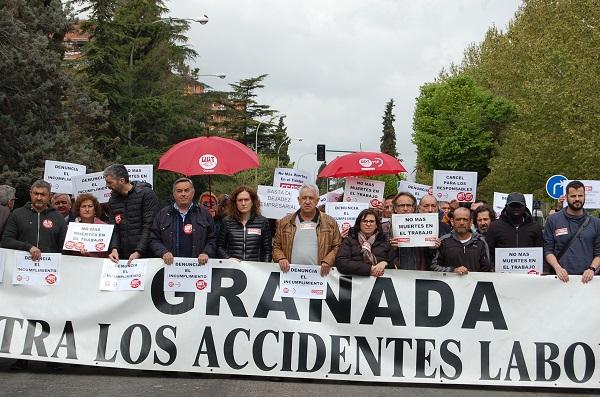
[[515, 228], [409, 258]]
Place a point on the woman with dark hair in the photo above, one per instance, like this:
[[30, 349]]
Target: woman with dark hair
[[366, 251], [87, 209], [245, 234]]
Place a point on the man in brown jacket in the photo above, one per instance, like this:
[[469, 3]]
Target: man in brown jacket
[[307, 237]]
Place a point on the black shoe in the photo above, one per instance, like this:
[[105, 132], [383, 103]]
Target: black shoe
[[20, 365]]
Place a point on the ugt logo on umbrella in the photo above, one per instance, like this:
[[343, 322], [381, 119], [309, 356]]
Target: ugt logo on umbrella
[[208, 161], [368, 164]]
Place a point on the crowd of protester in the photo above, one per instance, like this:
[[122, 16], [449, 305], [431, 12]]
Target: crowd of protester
[[231, 226]]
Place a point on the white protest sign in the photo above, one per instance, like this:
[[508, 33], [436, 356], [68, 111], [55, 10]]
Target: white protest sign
[[187, 275], [345, 213], [46, 271], [289, 178], [275, 203], [59, 175], [335, 196], [2, 261], [592, 193], [500, 202], [364, 191], [141, 173], [93, 184], [303, 281], [415, 230], [123, 277], [519, 260], [91, 236], [416, 189], [454, 185]]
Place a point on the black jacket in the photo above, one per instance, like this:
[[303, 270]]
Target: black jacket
[[132, 216], [26, 228], [452, 253], [349, 258], [503, 234], [204, 239], [252, 242]]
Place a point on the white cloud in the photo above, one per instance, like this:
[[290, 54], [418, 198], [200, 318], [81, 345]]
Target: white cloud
[[333, 64]]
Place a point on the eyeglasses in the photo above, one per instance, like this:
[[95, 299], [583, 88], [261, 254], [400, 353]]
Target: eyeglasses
[[368, 221]]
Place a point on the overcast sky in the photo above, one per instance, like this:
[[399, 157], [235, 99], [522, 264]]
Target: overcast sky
[[333, 64]]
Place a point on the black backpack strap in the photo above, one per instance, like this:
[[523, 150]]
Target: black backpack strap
[[573, 237]]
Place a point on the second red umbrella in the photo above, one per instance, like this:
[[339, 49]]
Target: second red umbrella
[[362, 164]]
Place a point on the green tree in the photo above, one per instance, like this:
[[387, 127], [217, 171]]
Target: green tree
[[546, 63], [457, 124], [44, 112], [136, 63], [388, 137], [245, 114]]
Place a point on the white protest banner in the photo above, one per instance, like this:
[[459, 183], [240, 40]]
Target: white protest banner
[[46, 271], [480, 329], [345, 213], [304, 282], [123, 277], [2, 260], [141, 173], [500, 202], [275, 203], [454, 185], [519, 260], [364, 191], [93, 184], [187, 275], [592, 193], [59, 175], [92, 237], [416, 189], [415, 230], [289, 178]]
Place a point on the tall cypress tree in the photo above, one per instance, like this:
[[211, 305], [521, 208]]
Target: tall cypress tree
[[388, 137], [44, 114]]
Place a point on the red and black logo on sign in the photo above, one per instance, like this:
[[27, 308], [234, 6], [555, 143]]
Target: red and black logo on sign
[[51, 279], [201, 284], [47, 223]]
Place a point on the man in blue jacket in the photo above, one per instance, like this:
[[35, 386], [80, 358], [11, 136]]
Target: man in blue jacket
[[183, 229], [564, 250]]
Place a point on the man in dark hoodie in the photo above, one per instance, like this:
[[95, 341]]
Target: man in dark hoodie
[[132, 210], [35, 227], [515, 228]]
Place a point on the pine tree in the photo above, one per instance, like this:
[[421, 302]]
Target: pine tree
[[388, 137], [44, 113]]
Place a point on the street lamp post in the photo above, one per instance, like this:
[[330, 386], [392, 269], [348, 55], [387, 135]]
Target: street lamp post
[[288, 140], [256, 140], [302, 156]]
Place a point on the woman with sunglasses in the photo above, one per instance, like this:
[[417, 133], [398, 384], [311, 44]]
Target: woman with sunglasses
[[366, 251]]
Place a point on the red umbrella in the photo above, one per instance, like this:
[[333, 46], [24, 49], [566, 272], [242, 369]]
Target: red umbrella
[[362, 164], [211, 155]]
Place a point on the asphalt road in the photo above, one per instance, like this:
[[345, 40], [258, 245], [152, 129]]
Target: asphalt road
[[92, 381]]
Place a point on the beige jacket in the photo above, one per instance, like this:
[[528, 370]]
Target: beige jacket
[[328, 238]]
